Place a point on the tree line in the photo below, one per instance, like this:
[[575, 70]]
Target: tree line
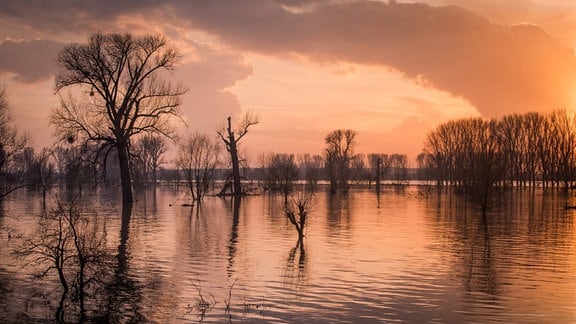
[[517, 150]]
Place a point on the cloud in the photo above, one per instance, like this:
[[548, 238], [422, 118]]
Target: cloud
[[208, 77], [29, 61], [499, 69]]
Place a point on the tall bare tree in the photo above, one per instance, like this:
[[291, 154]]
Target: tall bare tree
[[339, 153], [198, 157], [121, 93], [231, 138]]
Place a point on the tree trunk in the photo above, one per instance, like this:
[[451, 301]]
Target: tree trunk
[[235, 161], [126, 182]]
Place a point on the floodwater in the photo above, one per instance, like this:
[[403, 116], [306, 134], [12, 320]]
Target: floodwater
[[412, 254]]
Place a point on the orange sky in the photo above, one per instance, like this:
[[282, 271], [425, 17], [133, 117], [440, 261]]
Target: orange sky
[[390, 71]]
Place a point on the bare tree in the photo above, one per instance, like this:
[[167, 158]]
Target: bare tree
[[74, 246], [40, 169], [231, 138], [399, 166], [198, 157], [149, 151], [12, 144], [282, 173], [297, 212], [379, 166], [339, 153], [312, 166], [122, 92], [564, 142]]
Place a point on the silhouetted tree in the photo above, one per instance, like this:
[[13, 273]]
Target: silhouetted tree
[[297, 212], [40, 169], [312, 167], [122, 93], [231, 138], [338, 154], [12, 145], [564, 143], [198, 157], [399, 166], [148, 155], [74, 246], [282, 173], [379, 167]]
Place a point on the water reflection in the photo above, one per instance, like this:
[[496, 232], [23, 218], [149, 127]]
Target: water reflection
[[297, 265], [124, 293], [236, 202], [424, 256], [339, 214]]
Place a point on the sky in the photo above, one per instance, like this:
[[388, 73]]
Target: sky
[[390, 70]]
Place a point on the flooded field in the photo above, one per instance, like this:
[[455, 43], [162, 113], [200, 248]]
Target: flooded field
[[412, 254]]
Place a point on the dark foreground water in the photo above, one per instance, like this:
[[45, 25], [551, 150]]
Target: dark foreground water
[[410, 255]]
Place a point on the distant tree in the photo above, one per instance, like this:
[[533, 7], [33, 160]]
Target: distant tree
[[77, 167], [483, 165], [312, 167], [379, 166], [339, 153], [121, 90], [149, 151], [282, 173], [12, 145], [563, 140], [358, 170], [425, 165], [231, 138], [399, 166], [470, 153], [40, 169], [198, 157]]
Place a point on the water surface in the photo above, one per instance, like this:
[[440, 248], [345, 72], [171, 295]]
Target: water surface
[[411, 254]]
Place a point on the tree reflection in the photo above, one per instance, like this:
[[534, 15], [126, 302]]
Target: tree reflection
[[339, 213], [233, 235], [124, 295], [481, 274], [297, 270]]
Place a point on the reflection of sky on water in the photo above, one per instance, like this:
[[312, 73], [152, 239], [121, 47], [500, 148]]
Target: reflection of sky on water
[[406, 255]]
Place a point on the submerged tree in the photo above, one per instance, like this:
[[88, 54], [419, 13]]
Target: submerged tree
[[312, 167], [149, 151], [74, 246], [12, 145], [339, 153], [40, 169], [121, 93], [198, 157], [231, 138], [379, 167], [282, 173], [297, 213]]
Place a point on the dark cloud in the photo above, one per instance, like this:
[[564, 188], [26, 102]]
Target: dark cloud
[[72, 15], [30, 61], [499, 69]]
